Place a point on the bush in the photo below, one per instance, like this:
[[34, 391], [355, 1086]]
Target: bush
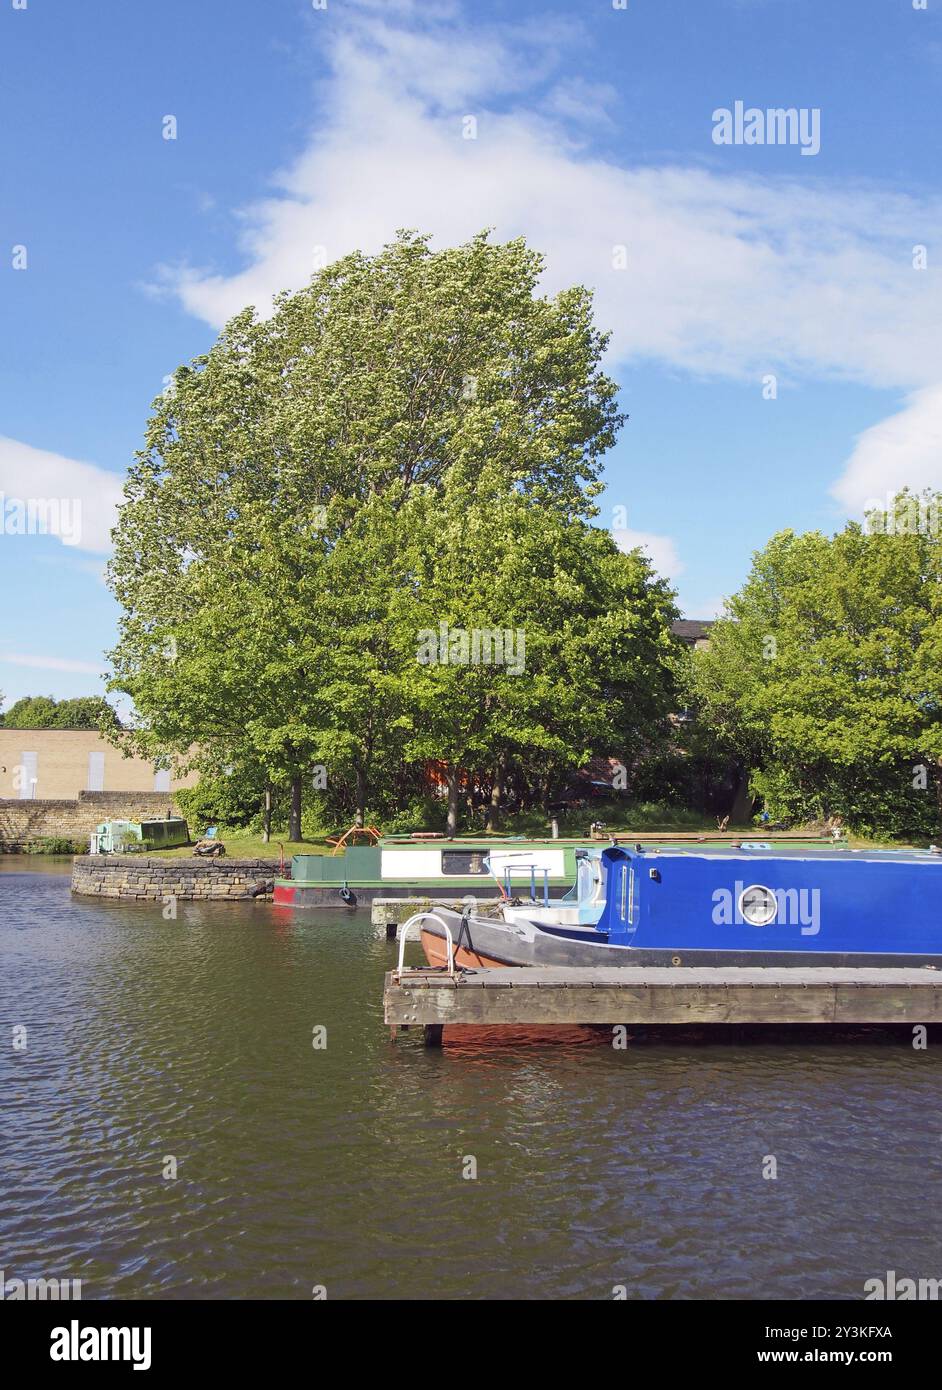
[[873, 801], [55, 844], [420, 813], [232, 802]]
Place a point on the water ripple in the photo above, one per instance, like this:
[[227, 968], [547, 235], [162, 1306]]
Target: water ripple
[[190, 1042]]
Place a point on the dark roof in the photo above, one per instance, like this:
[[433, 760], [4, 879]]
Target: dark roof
[[692, 629]]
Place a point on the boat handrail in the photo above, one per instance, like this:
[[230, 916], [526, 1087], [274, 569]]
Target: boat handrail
[[418, 917], [534, 870], [506, 888]]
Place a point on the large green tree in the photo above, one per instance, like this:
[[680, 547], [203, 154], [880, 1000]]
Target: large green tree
[[415, 437], [539, 643], [827, 673]]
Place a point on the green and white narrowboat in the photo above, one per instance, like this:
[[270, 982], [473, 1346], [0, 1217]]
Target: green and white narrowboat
[[423, 865], [398, 866]]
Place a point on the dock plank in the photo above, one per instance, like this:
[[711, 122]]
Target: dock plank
[[663, 994]]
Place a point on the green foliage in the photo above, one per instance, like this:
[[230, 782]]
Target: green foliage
[[661, 815], [827, 677], [55, 844], [590, 627], [31, 712], [421, 813], [692, 771], [414, 438], [233, 801], [616, 814], [43, 712]]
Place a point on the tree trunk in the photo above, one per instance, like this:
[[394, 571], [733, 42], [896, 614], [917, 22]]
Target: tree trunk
[[361, 797], [741, 809], [497, 794], [452, 826], [266, 819], [294, 824]]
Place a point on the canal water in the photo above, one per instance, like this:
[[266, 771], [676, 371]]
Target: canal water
[[342, 1168]]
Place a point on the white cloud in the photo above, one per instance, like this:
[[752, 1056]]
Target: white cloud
[[586, 102], [726, 275], [693, 607], [52, 663], [85, 496], [661, 550], [903, 451]]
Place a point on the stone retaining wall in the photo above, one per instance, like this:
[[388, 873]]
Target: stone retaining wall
[[149, 878], [22, 822]]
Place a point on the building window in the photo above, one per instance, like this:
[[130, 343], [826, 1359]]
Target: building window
[[161, 779], [28, 775], [96, 772]]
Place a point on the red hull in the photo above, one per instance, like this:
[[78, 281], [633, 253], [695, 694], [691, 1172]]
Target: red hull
[[436, 953]]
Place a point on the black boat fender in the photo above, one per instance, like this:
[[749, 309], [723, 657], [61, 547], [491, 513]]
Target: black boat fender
[[348, 896]]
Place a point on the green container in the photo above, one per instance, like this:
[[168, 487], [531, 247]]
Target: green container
[[166, 832], [126, 836]]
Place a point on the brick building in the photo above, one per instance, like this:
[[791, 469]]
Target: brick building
[[58, 764]]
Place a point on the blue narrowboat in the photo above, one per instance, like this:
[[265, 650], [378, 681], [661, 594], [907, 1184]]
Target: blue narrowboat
[[746, 905]]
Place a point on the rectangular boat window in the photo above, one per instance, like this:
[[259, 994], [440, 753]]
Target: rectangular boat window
[[463, 861]]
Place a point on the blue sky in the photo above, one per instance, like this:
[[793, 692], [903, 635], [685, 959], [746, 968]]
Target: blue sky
[[304, 131]]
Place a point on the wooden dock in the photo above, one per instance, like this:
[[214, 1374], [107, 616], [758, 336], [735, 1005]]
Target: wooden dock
[[656, 995]]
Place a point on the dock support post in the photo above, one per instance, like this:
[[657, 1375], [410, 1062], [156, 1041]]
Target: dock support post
[[433, 1034]]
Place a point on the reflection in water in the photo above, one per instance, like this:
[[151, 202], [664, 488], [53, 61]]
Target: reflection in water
[[343, 1166]]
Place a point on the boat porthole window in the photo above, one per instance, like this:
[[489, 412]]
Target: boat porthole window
[[757, 905]]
